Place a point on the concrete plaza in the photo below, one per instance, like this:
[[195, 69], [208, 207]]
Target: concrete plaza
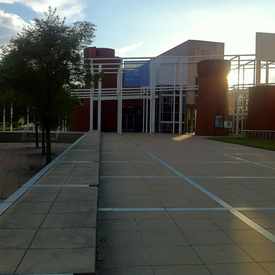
[[140, 204], [185, 205]]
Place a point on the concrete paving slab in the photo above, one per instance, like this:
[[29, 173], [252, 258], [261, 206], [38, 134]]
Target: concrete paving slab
[[196, 225], [10, 258], [172, 255], [260, 252], [119, 225], [23, 207], [127, 169], [270, 267], [74, 207], [77, 194], [20, 221], [122, 257], [229, 222], [219, 254], [119, 238], [127, 271], [159, 238], [43, 261], [64, 238], [215, 237], [70, 220], [51, 180], [182, 270], [15, 238], [92, 181], [246, 237], [39, 195], [237, 269]]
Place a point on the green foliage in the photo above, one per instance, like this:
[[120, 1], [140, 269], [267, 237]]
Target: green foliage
[[43, 63], [248, 141]]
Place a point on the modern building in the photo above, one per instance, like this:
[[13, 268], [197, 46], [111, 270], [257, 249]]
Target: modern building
[[191, 87], [144, 94]]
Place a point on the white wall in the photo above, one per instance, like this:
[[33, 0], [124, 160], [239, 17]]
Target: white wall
[[170, 68]]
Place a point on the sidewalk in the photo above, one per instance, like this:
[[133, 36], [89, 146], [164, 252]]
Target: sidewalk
[[52, 227]]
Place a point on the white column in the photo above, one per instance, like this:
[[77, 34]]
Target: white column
[[99, 100], [267, 72], [258, 72], [91, 97], [237, 115], [180, 110], [160, 110], [174, 110], [11, 117], [143, 111], [146, 111], [91, 109], [119, 101], [152, 100], [239, 71], [254, 72]]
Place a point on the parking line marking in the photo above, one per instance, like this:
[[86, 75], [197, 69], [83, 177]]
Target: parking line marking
[[161, 209], [229, 177], [76, 161], [138, 177], [39, 185], [126, 161], [252, 162], [255, 208], [224, 204]]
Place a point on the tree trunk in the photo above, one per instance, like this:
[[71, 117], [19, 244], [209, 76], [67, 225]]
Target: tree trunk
[[4, 118], [11, 117], [43, 141], [48, 145], [28, 117]]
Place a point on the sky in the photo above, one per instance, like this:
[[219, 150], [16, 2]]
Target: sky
[[150, 27]]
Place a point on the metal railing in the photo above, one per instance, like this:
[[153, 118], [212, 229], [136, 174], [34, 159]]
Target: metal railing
[[263, 134]]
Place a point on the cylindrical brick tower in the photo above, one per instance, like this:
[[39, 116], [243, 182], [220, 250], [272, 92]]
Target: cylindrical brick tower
[[212, 100], [81, 114]]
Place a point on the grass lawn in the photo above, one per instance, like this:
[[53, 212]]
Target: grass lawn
[[247, 141]]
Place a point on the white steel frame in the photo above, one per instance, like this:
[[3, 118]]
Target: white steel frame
[[246, 71]]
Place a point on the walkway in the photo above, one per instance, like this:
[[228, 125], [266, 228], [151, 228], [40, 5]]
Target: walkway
[[52, 227], [185, 206]]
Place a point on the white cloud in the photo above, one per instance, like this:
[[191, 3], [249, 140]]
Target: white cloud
[[236, 27], [10, 25], [71, 9], [126, 50]]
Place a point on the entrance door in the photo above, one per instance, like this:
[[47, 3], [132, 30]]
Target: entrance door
[[132, 117]]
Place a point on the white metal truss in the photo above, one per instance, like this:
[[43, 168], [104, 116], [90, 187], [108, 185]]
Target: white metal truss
[[245, 72]]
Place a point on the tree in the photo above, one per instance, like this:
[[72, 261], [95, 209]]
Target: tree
[[42, 64]]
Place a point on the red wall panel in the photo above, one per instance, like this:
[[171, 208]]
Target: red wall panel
[[261, 108], [81, 114], [81, 117], [212, 96]]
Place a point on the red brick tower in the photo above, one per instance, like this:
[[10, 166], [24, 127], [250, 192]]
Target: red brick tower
[[212, 100]]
